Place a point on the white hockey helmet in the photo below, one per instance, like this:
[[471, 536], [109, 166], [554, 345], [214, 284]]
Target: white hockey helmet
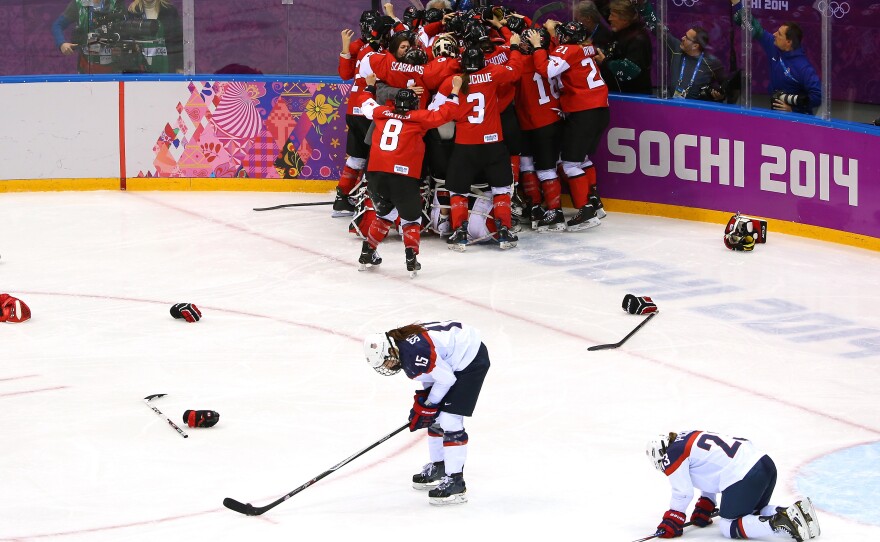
[[379, 349], [656, 452]]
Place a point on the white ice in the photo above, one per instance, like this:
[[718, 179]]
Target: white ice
[[779, 345]]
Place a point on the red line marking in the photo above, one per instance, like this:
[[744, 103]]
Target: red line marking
[[10, 394], [17, 377], [122, 172]]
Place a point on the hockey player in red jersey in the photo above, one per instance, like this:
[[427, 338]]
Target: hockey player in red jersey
[[451, 362], [538, 109], [395, 168], [743, 476], [584, 100], [479, 154], [373, 31]]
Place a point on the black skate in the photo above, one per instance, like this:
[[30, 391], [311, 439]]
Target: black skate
[[596, 202], [517, 206], [584, 219], [430, 476], [506, 238], [536, 213], [450, 491], [412, 264], [552, 220], [369, 257], [790, 521], [342, 205], [459, 238]]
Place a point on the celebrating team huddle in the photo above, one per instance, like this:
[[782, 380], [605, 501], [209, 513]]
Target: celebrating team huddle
[[468, 125]]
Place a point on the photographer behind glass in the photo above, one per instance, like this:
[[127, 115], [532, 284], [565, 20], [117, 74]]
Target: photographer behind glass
[[106, 40]]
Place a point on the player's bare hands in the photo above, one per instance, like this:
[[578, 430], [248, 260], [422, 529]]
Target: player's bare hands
[[347, 34], [534, 37], [417, 89], [370, 79], [389, 9], [456, 84]]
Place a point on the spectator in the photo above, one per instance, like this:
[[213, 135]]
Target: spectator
[[94, 56], [626, 64], [587, 13], [164, 51], [794, 84], [694, 73]]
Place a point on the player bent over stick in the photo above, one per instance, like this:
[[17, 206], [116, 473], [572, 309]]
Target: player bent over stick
[[745, 477], [451, 361]]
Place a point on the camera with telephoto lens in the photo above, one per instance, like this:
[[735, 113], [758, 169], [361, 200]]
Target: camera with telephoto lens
[[788, 99], [111, 27]]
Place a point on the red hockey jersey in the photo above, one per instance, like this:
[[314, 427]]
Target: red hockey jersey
[[582, 85]]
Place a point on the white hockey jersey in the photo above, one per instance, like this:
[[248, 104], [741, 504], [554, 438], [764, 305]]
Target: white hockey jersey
[[710, 462]]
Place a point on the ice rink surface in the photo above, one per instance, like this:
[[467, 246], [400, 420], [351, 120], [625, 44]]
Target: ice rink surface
[[781, 345]]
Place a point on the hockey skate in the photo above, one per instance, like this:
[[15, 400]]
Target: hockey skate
[[369, 257], [553, 220], [596, 202], [459, 238], [536, 214], [809, 513], [506, 238], [584, 219], [412, 263], [791, 521], [342, 205], [450, 491], [430, 477]]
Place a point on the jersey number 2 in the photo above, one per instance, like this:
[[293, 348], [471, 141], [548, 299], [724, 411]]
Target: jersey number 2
[[706, 441]]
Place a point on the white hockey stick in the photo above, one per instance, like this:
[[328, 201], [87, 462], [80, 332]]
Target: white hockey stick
[[149, 398]]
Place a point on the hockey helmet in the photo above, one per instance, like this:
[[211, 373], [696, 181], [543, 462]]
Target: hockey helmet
[[457, 24], [433, 15], [406, 100], [656, 451], [415, 56], [413, 16], [476, 35], [571, 32], [368, 19], [516, 24], [445, 46], [379, 349], [473, 59]]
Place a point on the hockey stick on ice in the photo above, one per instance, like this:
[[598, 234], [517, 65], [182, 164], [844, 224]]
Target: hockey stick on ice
[[545, 9], [657, 534], [293, 205], [149, 398], [251, 510], [623, 340]]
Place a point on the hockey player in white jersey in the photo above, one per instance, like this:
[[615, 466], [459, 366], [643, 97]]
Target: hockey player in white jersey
[[451, 361], [743, 476]]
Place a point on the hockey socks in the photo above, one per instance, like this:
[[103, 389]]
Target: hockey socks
[[552, 189], [458, 209], [501, 208], [378, 231], [412, 234], [531, 187], [349, 179], [580, 190]]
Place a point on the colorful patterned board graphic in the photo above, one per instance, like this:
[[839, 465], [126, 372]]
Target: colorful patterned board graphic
[[264, 130]]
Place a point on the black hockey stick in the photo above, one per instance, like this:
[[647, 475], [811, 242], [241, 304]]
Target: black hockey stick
[[149, 398], [623, 340], [545, 9], [293, 205], [658, 533], [251, 510]]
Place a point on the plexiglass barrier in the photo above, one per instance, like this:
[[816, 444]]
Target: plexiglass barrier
[[818, 54]]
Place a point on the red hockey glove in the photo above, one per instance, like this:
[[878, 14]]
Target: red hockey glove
[[702, 514], [422, 414], [200, 418], [672, 525], [13, 310], [187, 311], [638, 305], [422, 394]]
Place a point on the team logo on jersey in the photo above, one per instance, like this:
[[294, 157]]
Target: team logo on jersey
[[490, 138], [403, 170]]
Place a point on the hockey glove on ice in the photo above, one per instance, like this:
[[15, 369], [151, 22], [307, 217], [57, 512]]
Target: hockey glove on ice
[[422, 414], [187, 311], [702, 514], [13, 310], [200, 418], [638, 305], [672, 525]]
